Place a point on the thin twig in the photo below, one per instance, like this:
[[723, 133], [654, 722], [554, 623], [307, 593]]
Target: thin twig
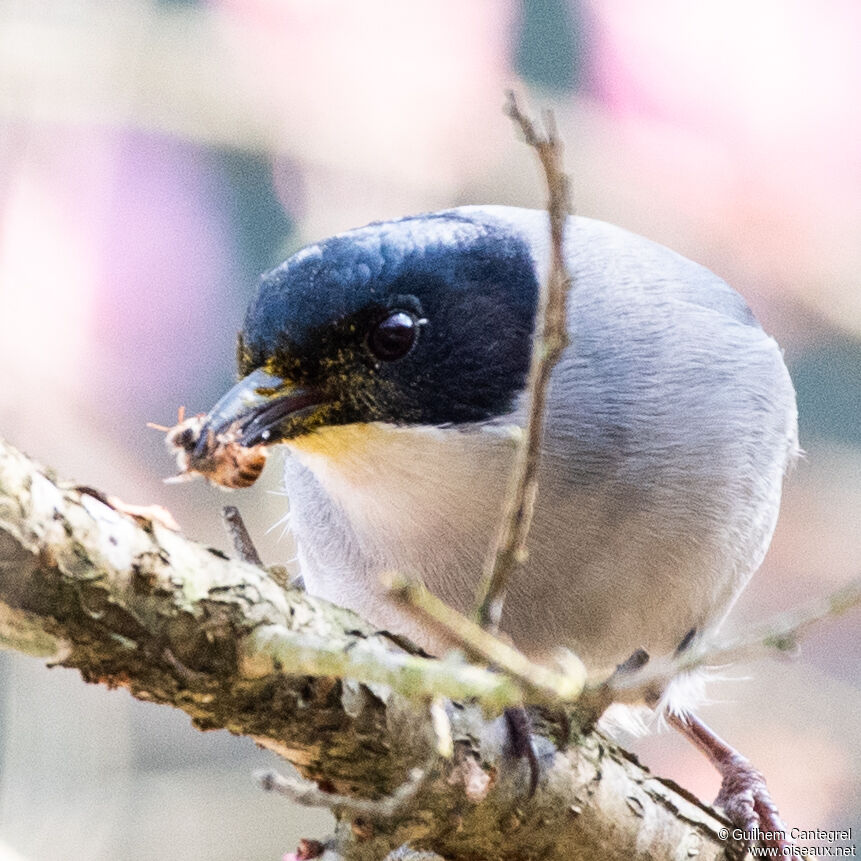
[[541, 682], [509, 550], [637, 679], [272, 647], [239, 535], [782, 634], [308, 793]]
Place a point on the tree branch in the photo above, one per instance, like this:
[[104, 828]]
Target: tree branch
[[129, 602]]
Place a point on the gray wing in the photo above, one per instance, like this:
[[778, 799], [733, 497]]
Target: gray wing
[[671, 422]]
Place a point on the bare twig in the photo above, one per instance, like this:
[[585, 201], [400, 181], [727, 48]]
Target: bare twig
[[509, 550], [272, 647], [781, 633], [308, 793], [540, 682], [637, 679], [239, 535]]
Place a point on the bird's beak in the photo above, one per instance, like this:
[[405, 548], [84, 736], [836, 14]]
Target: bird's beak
[[258, 410]]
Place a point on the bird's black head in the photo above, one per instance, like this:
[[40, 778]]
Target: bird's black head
[[425, 320]]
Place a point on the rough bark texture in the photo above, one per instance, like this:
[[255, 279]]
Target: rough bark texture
[[128, 602]]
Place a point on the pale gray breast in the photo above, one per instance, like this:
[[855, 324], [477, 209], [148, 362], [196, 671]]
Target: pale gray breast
[[670, 425]]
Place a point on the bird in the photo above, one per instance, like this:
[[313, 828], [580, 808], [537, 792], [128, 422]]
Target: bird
[[391, 362]]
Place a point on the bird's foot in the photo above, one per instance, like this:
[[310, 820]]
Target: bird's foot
[[743, 795], [748, 804]]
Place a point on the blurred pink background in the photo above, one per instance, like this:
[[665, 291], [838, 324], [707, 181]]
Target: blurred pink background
[[156, 156]]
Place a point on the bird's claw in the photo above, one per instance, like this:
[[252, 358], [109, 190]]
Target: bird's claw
[[743, 794], [745, 799]]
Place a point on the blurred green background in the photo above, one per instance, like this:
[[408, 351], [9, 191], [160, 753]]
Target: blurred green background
[[156, 156]]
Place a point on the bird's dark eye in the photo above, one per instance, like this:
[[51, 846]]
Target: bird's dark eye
[[393, 337]]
